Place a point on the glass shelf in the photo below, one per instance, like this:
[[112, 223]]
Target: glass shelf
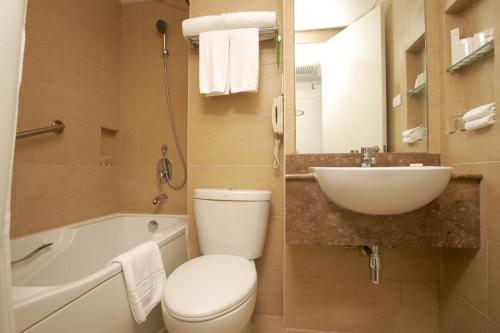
[[473, 57], [416, 91]]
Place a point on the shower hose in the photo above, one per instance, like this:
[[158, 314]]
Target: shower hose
[[173, 127]]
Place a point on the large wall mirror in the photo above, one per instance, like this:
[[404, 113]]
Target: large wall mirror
[[360, 75]]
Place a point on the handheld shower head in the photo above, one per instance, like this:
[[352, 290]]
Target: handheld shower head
[[161, 26]]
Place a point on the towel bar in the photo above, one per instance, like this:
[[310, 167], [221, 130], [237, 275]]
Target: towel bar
[[264, 34], [55, 126]]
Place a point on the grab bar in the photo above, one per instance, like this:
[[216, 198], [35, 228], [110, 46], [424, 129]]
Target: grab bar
[[32, 253], [55, 126]]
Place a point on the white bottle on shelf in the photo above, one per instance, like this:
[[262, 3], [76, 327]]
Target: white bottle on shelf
[[455, 47]]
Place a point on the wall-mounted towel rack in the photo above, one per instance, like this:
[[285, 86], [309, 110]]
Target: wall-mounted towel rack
[[55, 126], [264, 34]]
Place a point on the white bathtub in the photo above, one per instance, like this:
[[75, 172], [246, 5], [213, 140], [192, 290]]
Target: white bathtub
[[69, 287]]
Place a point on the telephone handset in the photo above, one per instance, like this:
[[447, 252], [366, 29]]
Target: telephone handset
[[277, 115], [277, 120]]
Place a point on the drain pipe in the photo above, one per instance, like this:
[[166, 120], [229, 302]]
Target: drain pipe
[[375, 263]]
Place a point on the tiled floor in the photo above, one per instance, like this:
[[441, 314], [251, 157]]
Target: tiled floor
[[274, 324]]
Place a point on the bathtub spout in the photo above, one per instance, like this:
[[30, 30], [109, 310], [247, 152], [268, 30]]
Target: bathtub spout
[[160, 199]]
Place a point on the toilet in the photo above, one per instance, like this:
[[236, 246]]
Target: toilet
[[216, 292]]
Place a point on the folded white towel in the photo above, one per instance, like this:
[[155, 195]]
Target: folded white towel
[[409, 139], [414, 134], [242, 20], [479, 112], [244, 60], [214, 63], [416, 130], [480, 123], [144, 278], [420, 80], [196, 25]]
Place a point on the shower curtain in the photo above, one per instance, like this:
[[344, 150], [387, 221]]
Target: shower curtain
[[12, 18]]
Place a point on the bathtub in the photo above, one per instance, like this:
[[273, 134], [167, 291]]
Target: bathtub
[[70, 287]]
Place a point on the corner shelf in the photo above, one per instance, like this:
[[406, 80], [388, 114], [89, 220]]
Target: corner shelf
[[416, 91], [480, 53]]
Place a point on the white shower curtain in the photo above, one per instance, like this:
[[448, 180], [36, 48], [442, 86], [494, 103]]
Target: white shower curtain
[[12, 18]]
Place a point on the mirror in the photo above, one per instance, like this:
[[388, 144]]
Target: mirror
[[360, 75]]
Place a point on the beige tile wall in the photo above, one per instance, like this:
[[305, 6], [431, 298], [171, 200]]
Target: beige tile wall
[[145, 124], [231, 145], [97, 65], [328, 289], [71, 72], [470, 290]]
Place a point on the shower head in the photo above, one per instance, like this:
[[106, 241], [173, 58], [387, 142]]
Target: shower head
[[161, 26]]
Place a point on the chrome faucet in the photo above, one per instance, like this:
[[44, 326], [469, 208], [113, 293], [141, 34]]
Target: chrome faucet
[[368, 159], [160, 199]]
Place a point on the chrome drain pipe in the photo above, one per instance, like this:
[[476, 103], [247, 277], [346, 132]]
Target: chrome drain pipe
[[375, 263]]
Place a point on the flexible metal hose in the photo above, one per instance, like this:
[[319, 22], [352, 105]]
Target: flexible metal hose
[[172, 125]]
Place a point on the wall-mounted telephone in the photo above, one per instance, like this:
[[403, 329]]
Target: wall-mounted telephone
[[277, 117], [278, 127]]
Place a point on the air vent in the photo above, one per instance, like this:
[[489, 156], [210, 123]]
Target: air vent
[[305, 70], [308, 71]]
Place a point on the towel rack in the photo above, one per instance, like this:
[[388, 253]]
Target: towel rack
[[264, 34], [55, 126]]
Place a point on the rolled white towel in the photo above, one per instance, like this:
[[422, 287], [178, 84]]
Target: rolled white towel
[[196, 25], [479, 112], [480, 123], [243, 20]]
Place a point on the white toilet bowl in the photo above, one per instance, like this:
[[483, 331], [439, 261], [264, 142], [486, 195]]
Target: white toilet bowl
[[216, 293], [210, 294]]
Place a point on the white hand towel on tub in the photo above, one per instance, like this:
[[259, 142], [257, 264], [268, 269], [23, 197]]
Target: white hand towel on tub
[[479, 112], [144, 278], [196, 25], [244, 60], [257, 20], [214, 63], [480, 123]]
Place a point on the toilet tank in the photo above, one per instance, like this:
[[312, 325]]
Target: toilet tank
[[232, 221]]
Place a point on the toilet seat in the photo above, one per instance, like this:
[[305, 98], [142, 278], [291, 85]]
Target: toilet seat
[[208, 287]]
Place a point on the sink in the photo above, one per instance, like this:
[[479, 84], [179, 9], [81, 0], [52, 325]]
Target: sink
[[385, 190]]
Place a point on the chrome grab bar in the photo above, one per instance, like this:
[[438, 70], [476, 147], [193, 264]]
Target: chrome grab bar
[[32, 253], [55, 126]]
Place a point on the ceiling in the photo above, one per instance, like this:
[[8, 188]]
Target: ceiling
[[322, 14]]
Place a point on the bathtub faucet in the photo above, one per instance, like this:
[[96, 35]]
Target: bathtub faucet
[[160, 199]]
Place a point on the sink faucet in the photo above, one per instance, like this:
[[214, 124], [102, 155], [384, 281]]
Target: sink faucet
[[160, 199], [368, 159]]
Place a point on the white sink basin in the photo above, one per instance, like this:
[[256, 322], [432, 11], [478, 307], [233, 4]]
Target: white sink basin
[[382, 191]]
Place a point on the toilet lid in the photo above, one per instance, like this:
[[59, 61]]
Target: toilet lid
[[209, 286]]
